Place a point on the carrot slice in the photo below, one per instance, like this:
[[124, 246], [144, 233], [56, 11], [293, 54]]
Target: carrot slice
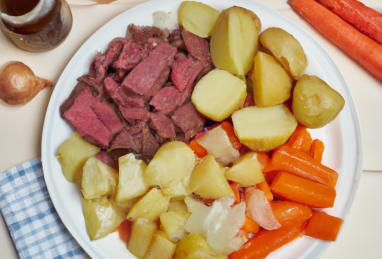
[[236, 191], [265, 242], [300, 139], [298, 189], [266, 189], [358, 46], [124, 231], [299, 163], [290, 213], [250, 226], [198, 149], [317, 150], [228, 128], [323, 226]]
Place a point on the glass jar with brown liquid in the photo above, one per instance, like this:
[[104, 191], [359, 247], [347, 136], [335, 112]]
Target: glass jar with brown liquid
[[35, 25]]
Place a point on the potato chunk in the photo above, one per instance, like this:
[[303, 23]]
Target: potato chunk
[[197, 18], [315, 103], [286, 49], [142, 232], [72, 155], [271, 84], [264, 128], [234, 40], [149, 206], [101, 217], [160, 247], [173, 223], [218, 94], [195, 246], [247, 171], [98, 179], [178, 206], [208, 180]]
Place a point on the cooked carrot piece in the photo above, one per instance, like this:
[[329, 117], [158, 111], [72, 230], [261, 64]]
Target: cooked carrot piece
[[228, 128], [124, 231], [265, 242], [300, 139], [250, 226], [269, 176], [294, 161], [323, 226], [317, 150], [301, 190], [263, 158], [198, 149], [290, 213], [266, 189], [236, 191]]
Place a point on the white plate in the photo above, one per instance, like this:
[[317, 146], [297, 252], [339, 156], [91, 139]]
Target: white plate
[[341, 137]]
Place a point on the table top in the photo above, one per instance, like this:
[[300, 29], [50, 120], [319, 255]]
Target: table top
[[20, 130]]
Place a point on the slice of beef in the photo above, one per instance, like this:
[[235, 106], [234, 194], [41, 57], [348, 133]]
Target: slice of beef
[[92, 82], [162, 125], [189, 120], [111, 157], [107, 115], [166, 100], [72, 97], [130, 56], [120, 97], [150, 74], [149, 143], [99, 67], [185, 95], [176, 40], [141, 34], [184, 71], [130, 138], [134, 113]]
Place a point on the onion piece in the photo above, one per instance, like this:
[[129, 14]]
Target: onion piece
[[259, 208], [18, 83]]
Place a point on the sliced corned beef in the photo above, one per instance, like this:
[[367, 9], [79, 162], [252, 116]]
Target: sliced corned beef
[[150, 74], [188, 120], [120, 97], [176, 39], [129, 138], [149, 143], [184, 71], [120, 74], [92, 82], [162, 125], [134, 113], [111, 157], [113, 50], [99, 67], [72, 97], [166, 100], [130, 56], [107, 115], [141, 34]]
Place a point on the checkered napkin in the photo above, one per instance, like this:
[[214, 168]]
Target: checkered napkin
[[33, 223]]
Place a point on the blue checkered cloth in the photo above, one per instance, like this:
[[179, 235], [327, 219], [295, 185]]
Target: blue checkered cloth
[[33, 223]]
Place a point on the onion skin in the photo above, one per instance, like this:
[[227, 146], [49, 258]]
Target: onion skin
[[18, 83]]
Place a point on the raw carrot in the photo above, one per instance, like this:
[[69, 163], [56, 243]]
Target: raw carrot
[[300, 139], [298, 189], [228, 128], [317, 150], [323, 226], [198, 149], [364, 18], [236, 191], [290, 213], [302, 164], [266, 189], [357, 45], [250, 226], [124, 231], [265, 242]]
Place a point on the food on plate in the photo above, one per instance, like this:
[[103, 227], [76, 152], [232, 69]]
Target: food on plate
[[197, 18], [271, 84], [18, 83], [178, 206], [358, 46], [301, 140], [72, 155], [286, 49], [160, 247], [142, 231], [264, 128], [218, 94], [234, 40], [195, 246], [323, 226], [173, 224], [290, 213], [315, 103]]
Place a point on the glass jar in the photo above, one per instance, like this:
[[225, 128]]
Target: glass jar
[[35, 25]]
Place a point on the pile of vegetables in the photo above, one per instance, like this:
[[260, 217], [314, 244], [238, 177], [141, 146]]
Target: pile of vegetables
[[245, 186]]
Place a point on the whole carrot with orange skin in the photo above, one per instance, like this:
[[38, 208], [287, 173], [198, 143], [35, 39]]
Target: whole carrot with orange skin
[[290, 213], [297, 162], [358, 46], [323, 226], [198, 149], [300, 139], [265, 242], [266, 189], [317, 150], [301, 190]]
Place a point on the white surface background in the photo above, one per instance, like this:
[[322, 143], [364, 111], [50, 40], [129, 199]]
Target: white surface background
[[20, 127]]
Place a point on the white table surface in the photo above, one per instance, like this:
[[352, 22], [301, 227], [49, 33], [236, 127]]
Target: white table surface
[[20, 127]]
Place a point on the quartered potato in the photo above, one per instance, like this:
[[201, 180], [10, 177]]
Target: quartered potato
[[142, 232], [178, 206], [101, 217], [160, 247], [287, 50], [264, 128], [315, 103], [195, 246], [234, 40], [73, 154], [197, 18], [173, 223], [271, 83]]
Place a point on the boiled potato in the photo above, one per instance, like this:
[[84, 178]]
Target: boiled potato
[[149, 206], [142, 232], [178, 206], [271, 84], [72, 155], [208, 180], [197, 18], [234, 40], [195, 246], [315, 103], [173, 223], [247, 171], [286, 49], [218, 94], [131, 182], [171, 168], [101, 217], [264, 128], [160, 247]]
